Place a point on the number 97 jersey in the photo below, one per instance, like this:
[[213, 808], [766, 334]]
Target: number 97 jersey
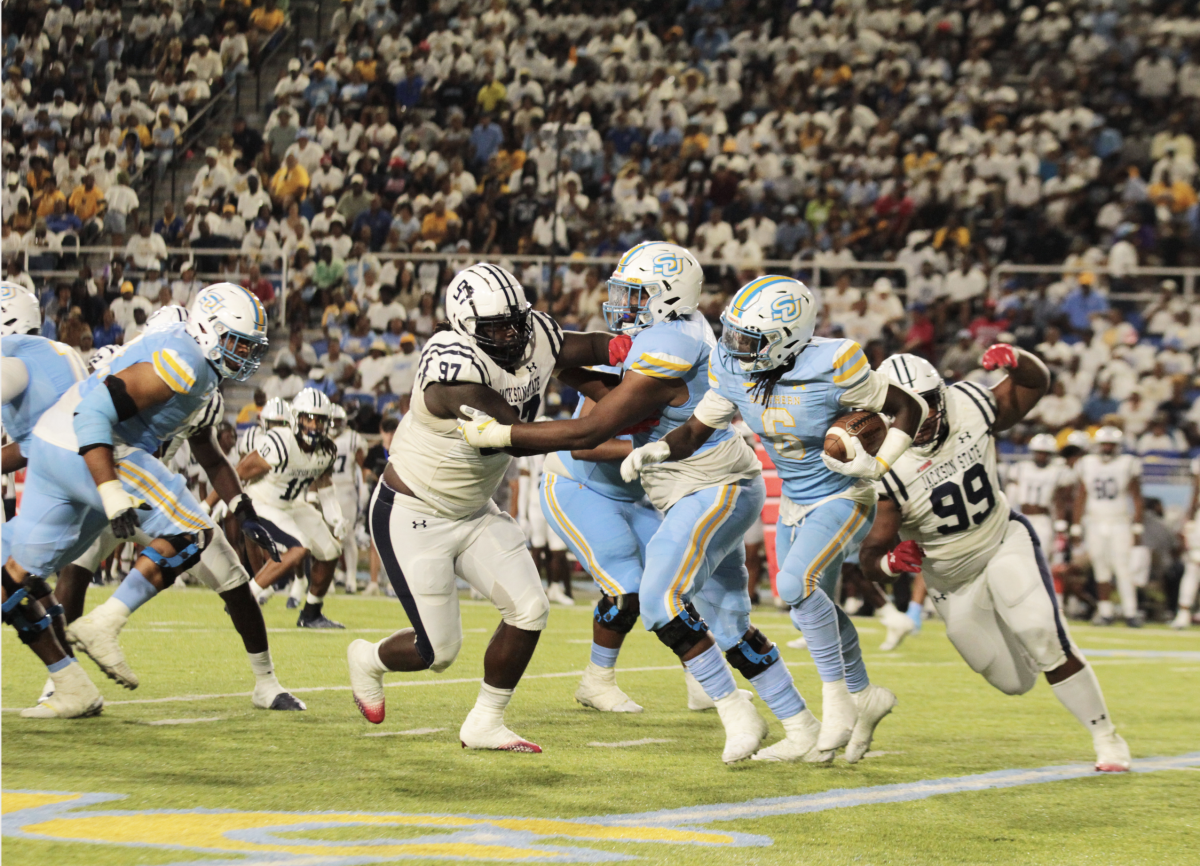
[[950, 498]]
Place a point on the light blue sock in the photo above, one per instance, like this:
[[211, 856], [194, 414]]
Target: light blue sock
[[604, 657], [778, 691], [856, 669], [916, 612], [816, 616], [135, 590], [60, 664], [710, 671]]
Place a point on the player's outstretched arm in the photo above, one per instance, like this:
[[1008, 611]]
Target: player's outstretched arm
[[612, 450], [1027, 382], [221, 476], [446, 401]]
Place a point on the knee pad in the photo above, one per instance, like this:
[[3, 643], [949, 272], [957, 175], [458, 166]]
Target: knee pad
[[187, 553], [684, 631], [533, 615], [753, 654], [618, 614], [22, 610], [440, 658]]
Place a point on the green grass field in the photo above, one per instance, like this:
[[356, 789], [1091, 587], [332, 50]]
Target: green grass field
[[186, 743]]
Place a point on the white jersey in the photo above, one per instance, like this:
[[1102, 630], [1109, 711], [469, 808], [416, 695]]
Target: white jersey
[[204, 418], [1030, 484], [529, 503], [950, 500], [293, 470], [1107, 485], [248, 440], [449, 477], [347, 474]]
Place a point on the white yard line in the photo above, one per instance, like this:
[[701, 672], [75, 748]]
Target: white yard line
[[185, 721], [415, 732], [624, 744]]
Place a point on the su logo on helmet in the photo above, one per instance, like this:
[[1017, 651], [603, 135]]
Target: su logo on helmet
[[784, 309], [668, 265]]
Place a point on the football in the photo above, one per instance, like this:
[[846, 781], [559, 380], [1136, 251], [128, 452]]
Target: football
[[869, 427]]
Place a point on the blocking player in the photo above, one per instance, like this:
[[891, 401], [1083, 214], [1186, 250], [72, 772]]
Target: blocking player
[[347, 486], [709, 500], [789, 387], [431, 516], [286, 464], [36, 372], [1191, 557], [1108, 495], [942, 510], [1042, 488]]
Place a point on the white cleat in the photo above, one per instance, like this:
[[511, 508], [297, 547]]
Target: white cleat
[[599, 690], [372, 589], [47, 691], [874, 702], [800, 739], [275, 697], [698, 700], [839, 714], [1183, 619], [477, 733], [898, 626], [75, 697], [98, 638], [1112, 754], [557, 595], [366, 679], [798, 643], [745, 729]]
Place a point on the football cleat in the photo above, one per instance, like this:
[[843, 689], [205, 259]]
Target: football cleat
[[98, 639], [75, 697], [599, 690], [275, 697], [839, 714], [1112, 754], [698, 701], [745, 729], [1183, 619], [366, 680], [874, 702], [47, 691], [1133, 622], [318, 620], [898, 625], [476, 733], [292, 603], [557, 595], [801, 736], [1102, 620], [371, 589], [798, 643]]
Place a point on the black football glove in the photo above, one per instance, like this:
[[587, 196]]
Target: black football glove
[[253, 528]]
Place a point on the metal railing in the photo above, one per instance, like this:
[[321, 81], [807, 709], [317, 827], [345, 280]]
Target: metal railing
[[1140, 276]]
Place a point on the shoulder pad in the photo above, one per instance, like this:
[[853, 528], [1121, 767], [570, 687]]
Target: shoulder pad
[[664, 352], [980, 398], [451, 360], [174, 370], [849, 364]]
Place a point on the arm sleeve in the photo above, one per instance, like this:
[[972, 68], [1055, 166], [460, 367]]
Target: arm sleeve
[[715, 411]]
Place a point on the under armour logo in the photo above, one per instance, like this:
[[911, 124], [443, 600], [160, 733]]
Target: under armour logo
[[964, 438], [418, 524], [939, 596], [1103, 716]]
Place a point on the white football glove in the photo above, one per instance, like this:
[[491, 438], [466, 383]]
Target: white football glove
[[482, 430], [864, 464], [640, 458], [338, 527]]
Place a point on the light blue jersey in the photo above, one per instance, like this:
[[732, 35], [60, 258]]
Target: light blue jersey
[[604, 477], [53, 368], [803, 405], [180, 363], [678, 349]]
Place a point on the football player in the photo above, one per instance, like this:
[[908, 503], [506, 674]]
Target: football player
[[286, 464], [36, 372], [348, 486], [431, 516], [1191, 557], [789, 387], [709, 501], [1042, 489], [942, 510], [275, 413], [1108, 495]]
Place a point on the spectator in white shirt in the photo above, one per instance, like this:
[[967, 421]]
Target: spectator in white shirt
[[205, 62], [1160, 438], [146, 248], [123, 307], [374, 368], [283, 382], [381, 312], [715, 233]]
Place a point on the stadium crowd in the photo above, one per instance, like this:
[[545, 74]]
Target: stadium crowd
[[942, 137]]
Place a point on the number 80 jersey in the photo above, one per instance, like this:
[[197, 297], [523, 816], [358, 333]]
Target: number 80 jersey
[[950, 499], [451, 478]]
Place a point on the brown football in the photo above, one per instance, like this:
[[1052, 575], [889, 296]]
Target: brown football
[[869, 427]]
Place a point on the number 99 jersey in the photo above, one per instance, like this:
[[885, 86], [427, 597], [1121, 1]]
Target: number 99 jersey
[[451, 478], [950, 498]]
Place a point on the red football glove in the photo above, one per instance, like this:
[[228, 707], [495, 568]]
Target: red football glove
[[1000, 355], [644, 426], [618, 348], [905, 558]]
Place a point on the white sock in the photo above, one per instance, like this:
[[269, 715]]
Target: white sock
[[1080, 693], [888, 609], [259, 592], [312, 599], [264, 671], [1128, 596], [298, 588], [802, 723], [490, 704], [1188, 586], [115, 611], [1106, 609]]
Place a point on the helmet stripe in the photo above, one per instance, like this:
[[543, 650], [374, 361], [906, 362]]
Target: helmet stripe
[[752, 289], [260, 314]]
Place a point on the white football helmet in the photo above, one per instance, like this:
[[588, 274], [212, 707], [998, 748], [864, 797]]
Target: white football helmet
[[20, 312], [230, 324], [313, 412], [487, 304], [276, 413], [1041, 447], [653, 282], [768, 322], [917, 374], [1078, 439], [338, 421], [1108, 441], [163, 318]]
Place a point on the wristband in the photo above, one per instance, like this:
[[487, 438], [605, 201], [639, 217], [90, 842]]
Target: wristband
[[114, 498], [885, 568], [1076, 530], [1137, 528], [894, 444], [1060, 526]]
